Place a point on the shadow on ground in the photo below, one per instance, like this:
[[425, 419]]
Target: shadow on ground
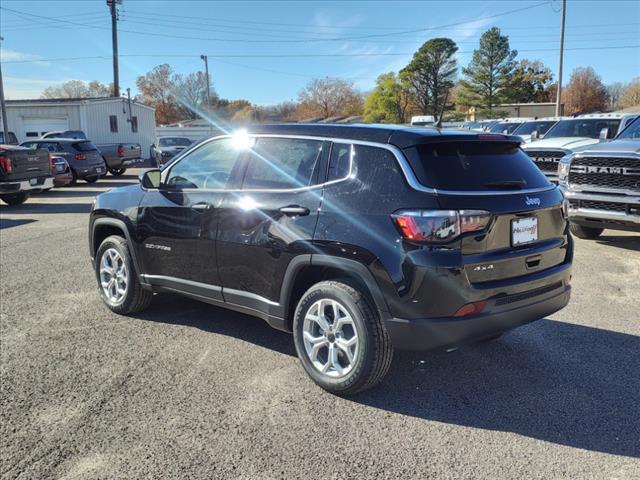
[[10, 222], [43, 208], [553, 381], [621, 241]]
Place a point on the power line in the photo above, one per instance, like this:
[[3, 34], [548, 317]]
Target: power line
[[298, 55], [378, 35]]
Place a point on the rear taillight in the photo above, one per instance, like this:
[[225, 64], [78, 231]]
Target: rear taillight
[[52, 165], [439, 226], [120, 151], [5, 164], [80, 156], [471, 309]]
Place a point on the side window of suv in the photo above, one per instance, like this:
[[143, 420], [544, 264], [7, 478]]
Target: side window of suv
[[208, 167], [340, 163], [282, 163]]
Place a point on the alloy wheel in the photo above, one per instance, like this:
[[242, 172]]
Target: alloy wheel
[[114, 276], [330, 338]]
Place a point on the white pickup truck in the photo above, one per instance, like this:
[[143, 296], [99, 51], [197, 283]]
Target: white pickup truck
[[602, 185], [573, 135]]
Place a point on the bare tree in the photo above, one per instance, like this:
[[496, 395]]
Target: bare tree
[[328, 97], [78, 89], [631, 95], [585, 92], [614, 92], [191, 93]]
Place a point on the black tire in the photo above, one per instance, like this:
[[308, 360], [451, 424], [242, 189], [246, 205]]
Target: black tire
[[587, 233], [116, 172], [15, 198], [74, 177], [136, 298], [375, 351], [91, 179]]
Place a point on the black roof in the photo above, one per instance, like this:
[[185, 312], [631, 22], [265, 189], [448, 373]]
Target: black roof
[[398, 135], [57, 139]]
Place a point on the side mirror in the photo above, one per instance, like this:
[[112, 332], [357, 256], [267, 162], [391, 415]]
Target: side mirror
[[150, 178], [604, 134], [535, 135]]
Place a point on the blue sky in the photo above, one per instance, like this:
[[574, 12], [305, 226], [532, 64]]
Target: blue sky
[[360, 39]]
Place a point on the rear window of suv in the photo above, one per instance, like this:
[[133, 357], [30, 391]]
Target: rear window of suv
[[84, 146], [472, 165]]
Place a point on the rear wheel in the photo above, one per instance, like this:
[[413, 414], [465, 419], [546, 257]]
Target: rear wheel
[[116, 172], [91, 179], [15, 198], [340, 338], [117, 278], [588, 233]]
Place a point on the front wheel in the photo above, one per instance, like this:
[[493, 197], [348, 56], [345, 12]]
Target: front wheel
[[116, 172], [340, 339], [588, 233], [117, 278], [15, 198]]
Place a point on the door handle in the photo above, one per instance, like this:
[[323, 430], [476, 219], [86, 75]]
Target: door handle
[[292, 210], [202, 206]]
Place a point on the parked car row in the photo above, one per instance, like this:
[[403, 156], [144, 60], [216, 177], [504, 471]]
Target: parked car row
[[70, 157]]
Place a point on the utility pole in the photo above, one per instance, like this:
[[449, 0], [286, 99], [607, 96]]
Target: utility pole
[[206, 69], [113, 8], [559, 95], [5, 127]]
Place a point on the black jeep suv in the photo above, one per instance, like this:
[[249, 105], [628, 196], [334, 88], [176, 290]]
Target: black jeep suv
[[358, 239]]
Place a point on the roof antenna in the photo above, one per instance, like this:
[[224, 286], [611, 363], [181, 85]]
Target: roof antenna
[[444, 105]]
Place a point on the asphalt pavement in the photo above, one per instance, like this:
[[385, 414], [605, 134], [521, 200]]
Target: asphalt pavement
[[188, 390]]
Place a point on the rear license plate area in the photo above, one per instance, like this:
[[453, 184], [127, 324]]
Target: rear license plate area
[[524, 230]]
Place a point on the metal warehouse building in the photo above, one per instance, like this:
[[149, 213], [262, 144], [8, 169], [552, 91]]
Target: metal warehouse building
[[104, 120]]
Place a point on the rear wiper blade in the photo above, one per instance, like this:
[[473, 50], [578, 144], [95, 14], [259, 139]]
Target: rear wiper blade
[[507, 184]]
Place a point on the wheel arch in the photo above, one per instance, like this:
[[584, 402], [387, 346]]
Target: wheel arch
[[305, 271], [102, 228]]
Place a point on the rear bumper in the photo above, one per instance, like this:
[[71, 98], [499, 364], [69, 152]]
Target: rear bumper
[[25, 185], [91, 170], [503, 313]]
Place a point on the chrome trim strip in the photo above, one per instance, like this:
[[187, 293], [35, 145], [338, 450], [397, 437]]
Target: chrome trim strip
[[242, 293], [402, 162], [604, 197], [206, 286]]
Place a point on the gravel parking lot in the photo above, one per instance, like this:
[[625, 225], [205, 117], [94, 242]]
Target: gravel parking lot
[[188, 390]]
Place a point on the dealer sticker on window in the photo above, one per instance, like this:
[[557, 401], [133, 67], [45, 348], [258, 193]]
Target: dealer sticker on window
[[524, 230]]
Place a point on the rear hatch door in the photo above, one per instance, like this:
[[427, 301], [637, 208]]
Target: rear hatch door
[[527, 232]]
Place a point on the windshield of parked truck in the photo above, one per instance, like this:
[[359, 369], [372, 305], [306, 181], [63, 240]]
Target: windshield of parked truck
[[541, 126], [174, 142], [632, 132], [583, 127], [501, 127]]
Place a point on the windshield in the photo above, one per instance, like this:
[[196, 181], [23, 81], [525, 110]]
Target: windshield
[[501, 127], [541, 126], [632, 131], [174, 142], [474, 166], [583, 127], [84, 146]]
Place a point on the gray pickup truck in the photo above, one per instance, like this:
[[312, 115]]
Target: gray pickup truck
[[602, 185], [117, 156], [23, 171]]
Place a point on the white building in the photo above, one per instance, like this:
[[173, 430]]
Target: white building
[[103, 120]]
